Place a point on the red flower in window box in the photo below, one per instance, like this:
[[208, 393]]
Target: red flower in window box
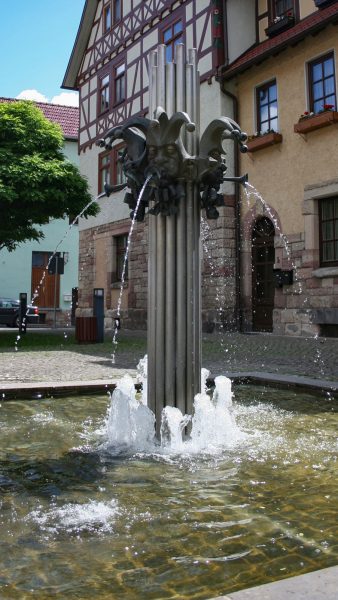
[[310, 122]]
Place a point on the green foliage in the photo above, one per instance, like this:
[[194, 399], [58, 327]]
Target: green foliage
[[37, 182]]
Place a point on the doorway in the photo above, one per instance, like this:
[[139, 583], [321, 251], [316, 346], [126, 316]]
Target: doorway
[[263, 290], [45, 286]]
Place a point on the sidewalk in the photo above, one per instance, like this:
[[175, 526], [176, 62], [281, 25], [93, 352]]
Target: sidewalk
[[257, 357]]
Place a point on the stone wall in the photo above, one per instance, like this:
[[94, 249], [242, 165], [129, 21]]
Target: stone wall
[[218, 272], [311, 302]]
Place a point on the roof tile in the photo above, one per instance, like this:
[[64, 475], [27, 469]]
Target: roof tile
[[66, 116]]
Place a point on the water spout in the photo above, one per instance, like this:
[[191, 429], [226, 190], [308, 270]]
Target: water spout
[[243, 179], [130, 423]]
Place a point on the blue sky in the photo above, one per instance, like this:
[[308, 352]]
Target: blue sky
[[36, 40]]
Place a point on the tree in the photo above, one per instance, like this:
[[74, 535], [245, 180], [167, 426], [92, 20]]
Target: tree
[[37, 182]]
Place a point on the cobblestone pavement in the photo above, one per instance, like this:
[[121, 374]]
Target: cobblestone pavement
[[308, 357], [222, 354]]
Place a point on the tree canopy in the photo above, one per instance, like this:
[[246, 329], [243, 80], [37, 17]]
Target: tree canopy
[[37, 182]]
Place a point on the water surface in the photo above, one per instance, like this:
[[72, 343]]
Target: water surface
[[78, 521]]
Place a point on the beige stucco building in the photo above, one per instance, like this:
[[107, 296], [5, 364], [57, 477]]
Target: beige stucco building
[[292, 163]]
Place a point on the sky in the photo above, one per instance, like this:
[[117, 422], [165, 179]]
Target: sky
[[36, 41]]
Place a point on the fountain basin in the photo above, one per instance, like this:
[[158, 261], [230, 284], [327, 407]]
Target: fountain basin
[[82, 519]]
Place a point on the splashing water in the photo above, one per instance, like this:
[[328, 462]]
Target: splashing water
[[209, 243], [92, 516], [71, 225], [251, 192], [130, 423], [142, 377], [35, 295], [123, 276]]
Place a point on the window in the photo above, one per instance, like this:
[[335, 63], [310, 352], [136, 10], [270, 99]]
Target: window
[[117, 11], [120, 243], [322, 87], [266, 103], [104, 170], [120, 84], [110, 168], [112, 14], [328, 220], [118, 173], [40, 259], [282, 8], [172, 36], [106, 18], [103, 94]]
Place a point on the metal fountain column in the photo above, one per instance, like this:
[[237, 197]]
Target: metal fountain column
[[183, 173], [174, 322]]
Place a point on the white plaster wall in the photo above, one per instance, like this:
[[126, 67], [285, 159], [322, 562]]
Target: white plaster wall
[[241, 26], [306, 7], [134, 52], [214, 104]]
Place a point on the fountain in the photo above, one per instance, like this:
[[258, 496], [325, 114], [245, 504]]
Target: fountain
[[184, 173], [92, 506], [82, 520]]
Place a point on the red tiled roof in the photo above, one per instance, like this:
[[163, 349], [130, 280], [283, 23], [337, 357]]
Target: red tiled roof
[[66, 116], [259, 52]]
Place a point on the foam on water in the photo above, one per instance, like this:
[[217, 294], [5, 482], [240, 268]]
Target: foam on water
[[73, 518], [130, 423]]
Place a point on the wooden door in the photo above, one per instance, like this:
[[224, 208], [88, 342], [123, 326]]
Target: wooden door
[[263, 291], [43, 283]]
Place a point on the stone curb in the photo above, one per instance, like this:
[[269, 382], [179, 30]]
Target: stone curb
[[35, 390], [318, 585]]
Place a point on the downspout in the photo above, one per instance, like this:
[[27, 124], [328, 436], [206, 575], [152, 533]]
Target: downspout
[[238, 303], [234, 100]]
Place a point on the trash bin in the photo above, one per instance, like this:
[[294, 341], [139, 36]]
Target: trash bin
[[86, 330]]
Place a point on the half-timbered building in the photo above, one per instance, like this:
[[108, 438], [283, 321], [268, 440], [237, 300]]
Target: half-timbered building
[[270, 260], [109, 67]]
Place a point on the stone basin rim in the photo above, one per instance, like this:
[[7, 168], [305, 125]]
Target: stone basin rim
[[54, 389]]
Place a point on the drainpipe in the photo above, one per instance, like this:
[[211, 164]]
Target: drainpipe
[[238, 304], [238, 308]]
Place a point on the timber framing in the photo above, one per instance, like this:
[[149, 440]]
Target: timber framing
[[98, 51]]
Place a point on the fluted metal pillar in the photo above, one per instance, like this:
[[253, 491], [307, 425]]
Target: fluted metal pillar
[[174, 321]]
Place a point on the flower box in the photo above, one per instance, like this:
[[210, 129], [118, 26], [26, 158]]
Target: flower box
[[312, 122], [323, 3], [258, 142], [280, 25]]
